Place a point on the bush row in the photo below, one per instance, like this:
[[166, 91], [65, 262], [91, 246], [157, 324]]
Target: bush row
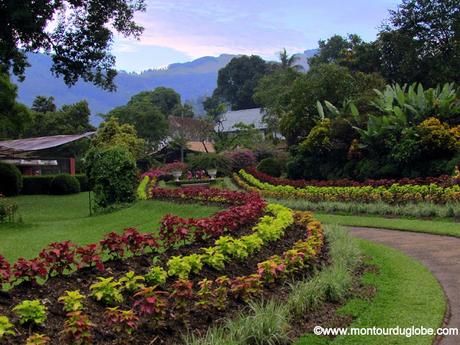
[[43, 184], [266, 176], [395, 194]]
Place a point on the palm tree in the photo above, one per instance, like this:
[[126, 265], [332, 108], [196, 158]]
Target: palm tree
[[287, 61]]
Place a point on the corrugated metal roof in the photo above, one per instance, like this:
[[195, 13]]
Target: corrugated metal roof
[[40, 143], [247, 116]]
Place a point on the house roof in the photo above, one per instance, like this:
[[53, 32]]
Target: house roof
[[247, 116], [39, 143], [201, 146]]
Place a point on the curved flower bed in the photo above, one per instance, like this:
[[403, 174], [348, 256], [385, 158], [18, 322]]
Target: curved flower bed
[[151, 300], [393, 194], [442, 181]]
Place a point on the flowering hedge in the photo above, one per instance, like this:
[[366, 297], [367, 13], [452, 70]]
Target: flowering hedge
[[393, 194], [443, 181]]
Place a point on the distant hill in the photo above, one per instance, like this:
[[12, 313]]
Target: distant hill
[[191, 80]]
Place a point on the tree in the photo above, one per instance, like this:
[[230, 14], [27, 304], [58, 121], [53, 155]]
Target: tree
[[288, 62], [70, 119], [165, 99], [111, 133], [43, 104], [236, 81], [272, 94], [79, 39], [421, 42], [351, 52], [14, 116], [323, 82]]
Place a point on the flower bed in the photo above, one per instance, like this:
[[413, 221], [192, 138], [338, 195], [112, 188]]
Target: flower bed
[[442, 181], [394, 194], [149, 304]]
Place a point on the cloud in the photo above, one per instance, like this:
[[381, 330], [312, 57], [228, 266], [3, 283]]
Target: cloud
[[215, 27]]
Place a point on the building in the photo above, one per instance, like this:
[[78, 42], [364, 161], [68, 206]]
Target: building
[[33, 156]]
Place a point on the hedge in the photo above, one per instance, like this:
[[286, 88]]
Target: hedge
[[40, 184]]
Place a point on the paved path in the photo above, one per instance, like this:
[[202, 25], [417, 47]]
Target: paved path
[[441, 254]]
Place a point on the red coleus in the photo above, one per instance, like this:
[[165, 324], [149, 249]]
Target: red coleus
[[78, 329], [30, 270], [59, 257], [114, 245], [174, 229], [149, 301], [137, 242], [183, 292], [122, 320], [90, 256], [271, 269], [246, 287], [5, 271]]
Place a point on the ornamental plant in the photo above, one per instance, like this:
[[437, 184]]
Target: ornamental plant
[[59, 257], [205, 294], [6, 327], [89, 256], [156, 276], [72, 301], [5, 272], [182, 293], [136, 242], [37, 339], [182, 266], [232, 247], [31, 312], [272, 269], [121, 321], [151, 302], [174, 229], [246, 287], [213, 257], [114, 245], [131, 282], [78, 329], [107, 291], [30, 270]]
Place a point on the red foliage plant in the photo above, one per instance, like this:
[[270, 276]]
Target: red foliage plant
[[78, 329], [5, 271], [137, 242], [90, 256], [114, 245], [149, 301], [59, 257], [30, 270], [124, 321], [443, 181]]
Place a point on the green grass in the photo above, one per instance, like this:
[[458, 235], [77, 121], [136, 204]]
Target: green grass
[[416, 225], [48, 219], [407, 295]]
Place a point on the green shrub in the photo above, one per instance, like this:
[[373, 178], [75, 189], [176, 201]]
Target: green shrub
[[40, 184], [112, 174], [207, 161], [8, 209], [64, 184], [270, 166], [10, 179]]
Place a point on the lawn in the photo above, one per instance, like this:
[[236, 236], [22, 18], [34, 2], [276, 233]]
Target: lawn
[[407, 295], [48, 219]]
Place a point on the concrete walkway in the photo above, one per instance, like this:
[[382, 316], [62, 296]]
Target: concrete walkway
[[441, 254]]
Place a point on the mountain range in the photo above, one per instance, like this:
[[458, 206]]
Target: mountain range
[[192, 80]]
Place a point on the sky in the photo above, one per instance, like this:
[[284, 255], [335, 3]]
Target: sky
[[183, 30]]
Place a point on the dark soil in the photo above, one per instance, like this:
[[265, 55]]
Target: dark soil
[[172, 330]]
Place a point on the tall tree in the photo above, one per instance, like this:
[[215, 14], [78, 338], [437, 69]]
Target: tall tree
[[43, 104], [77, 34], [421, 42], [236, 81], [287, 62], [13, 115]]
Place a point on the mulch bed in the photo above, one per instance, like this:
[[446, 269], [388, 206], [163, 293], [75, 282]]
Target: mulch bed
[[172, 330]]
